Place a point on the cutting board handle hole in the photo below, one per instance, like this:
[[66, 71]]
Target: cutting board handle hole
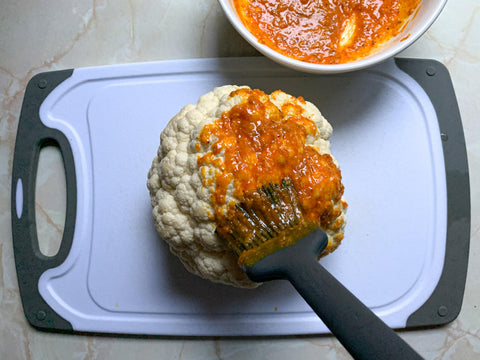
[[50, 198]]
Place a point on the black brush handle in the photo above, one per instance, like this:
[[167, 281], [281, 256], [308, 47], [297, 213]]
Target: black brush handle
[[360, 331]]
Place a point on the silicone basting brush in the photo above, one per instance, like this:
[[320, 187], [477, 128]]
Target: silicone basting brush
[[273, 239]]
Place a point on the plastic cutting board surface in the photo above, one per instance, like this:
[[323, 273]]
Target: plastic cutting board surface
[[114, 274]]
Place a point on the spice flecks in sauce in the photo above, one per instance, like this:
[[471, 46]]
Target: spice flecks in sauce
[[256, 143], [325, 31]]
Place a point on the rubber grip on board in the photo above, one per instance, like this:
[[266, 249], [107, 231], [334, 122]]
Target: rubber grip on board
[[32, 136], [445, 303]]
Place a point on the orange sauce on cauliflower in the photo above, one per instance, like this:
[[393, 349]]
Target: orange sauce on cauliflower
[[261, 144]]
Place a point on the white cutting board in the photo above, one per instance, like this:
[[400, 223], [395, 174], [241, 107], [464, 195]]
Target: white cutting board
[[120, 277]]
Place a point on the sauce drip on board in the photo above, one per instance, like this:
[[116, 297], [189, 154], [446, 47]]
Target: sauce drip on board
[[325, 31], [257, 143]]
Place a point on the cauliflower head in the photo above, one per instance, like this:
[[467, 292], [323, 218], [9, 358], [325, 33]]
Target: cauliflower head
[[184, 188]]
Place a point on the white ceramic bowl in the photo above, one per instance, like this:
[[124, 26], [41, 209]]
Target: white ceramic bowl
[[428, 12]]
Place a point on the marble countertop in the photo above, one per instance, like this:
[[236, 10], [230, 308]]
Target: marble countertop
[[37, 36]]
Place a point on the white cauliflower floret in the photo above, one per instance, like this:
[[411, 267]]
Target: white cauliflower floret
[[181, 190], [182, 207]]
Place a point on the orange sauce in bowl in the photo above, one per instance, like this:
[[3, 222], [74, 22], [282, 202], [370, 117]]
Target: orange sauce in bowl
[[325, 31]]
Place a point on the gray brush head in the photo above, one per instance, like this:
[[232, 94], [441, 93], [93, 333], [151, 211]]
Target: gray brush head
[[268, 219]]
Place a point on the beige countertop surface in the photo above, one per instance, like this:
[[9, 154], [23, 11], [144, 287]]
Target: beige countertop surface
[[38, 36]]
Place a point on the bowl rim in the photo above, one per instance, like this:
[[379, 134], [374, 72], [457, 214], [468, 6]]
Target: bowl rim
[[389, 52]]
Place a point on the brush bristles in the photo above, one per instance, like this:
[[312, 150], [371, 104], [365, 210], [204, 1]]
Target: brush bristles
[[268, 219]]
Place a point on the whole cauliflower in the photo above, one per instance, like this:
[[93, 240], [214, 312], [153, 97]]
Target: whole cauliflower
[[182, 188]]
